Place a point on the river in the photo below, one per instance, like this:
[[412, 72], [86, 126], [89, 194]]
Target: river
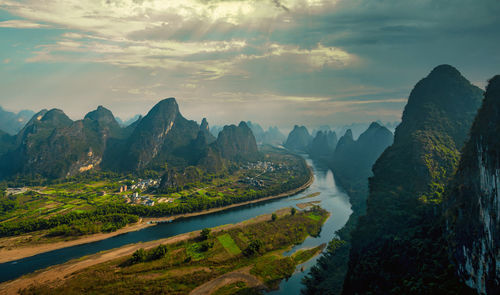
[[332, 199]]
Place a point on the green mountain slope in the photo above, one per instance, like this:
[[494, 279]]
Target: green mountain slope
[[472, 205], [397, 247]]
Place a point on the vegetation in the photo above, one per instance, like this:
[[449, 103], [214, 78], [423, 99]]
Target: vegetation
[[182, 266], [92, 202], [205, 234], [398, 247]]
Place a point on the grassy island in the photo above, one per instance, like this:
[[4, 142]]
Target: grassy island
[[238, 259]]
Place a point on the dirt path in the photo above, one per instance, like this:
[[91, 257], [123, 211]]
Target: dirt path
[[57, 274], [11, 254], [240, 275]]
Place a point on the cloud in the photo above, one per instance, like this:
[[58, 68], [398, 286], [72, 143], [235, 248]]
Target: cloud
[[323, 60], [21, 24]]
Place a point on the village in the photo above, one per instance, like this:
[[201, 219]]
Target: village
[[142, 185]]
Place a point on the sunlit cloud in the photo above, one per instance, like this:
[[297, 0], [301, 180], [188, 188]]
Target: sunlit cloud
[[21, 24], [324, 61]]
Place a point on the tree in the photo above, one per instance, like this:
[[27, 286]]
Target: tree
[[160, 251], [139, 256], [254, 247], [274, 217], [293, 211], [206, 245], [205, 234]]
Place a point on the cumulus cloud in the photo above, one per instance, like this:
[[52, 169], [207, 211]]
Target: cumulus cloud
[[325, 60]]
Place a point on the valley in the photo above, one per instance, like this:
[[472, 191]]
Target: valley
[[281, 174]]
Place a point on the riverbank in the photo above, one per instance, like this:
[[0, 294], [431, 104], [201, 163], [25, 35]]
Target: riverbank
[[58, 274], [16, 253]]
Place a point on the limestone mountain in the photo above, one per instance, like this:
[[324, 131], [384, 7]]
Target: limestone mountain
[[323, 145], [408, 180], [52, 145], [472, 210], [353, 159], [299, 139], [104, 119], [205, 128], [273, 136], [159, 137], [12, 123], [237, 143]]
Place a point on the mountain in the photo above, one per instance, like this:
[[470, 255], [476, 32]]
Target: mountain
[[398, 246], [162, 135], [12, 123], [353, 159], [205, 128], [257, 130], [472, 205], [128, 122], [215, 129], [52, 145], [234, 143], [273, 136], [323, 145], [237, 143], [299, 139]]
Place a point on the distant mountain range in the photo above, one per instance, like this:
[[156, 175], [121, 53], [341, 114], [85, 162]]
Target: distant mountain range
[[271, 136], [52, 145], [12, 123]]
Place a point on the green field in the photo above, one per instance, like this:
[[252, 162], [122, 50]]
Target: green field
[[184, 265], [40, 209], [314, 216], [228, 243]]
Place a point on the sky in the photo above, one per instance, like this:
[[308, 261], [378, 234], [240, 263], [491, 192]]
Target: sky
[[275, 62]]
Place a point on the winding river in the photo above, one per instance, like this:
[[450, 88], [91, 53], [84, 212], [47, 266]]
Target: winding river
[[331, 198]]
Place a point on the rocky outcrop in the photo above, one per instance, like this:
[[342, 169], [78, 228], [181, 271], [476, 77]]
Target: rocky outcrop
[[473, 202]]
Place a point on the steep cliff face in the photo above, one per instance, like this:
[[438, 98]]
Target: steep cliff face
[[237, 143], [473, 204], [205, 129], [52, 145], [299, 139], [398, 246], [26, 155], [159, 136]]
